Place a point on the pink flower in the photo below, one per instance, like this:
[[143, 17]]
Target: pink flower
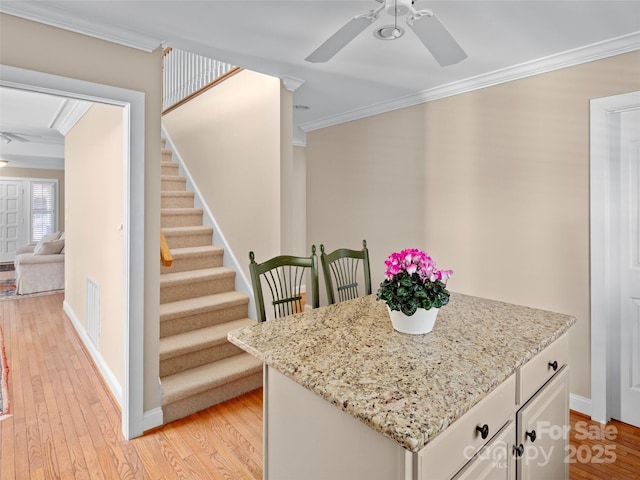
[[412, 260]]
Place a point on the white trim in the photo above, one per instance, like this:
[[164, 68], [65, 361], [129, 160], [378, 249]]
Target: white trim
[[98, 359], [133, 296], [589, 53], [70, 113], [603, 240], [580, 404], [291, 83], [152, 418], [56, 17], [229, 259], [299, 138]]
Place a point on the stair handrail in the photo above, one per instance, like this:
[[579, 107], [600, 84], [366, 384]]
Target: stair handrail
[[187, 75], [165, 253]]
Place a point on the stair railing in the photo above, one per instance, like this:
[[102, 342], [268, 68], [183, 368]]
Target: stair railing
[[165, 253], [186, 75]]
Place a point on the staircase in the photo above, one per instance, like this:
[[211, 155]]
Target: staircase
[[198, 307]]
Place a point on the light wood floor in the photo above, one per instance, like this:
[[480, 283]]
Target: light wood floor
[[65, 424]]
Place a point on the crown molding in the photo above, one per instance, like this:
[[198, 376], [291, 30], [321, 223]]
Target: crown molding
[[57, 17], [291, 83], [71, 112], [596, 51]]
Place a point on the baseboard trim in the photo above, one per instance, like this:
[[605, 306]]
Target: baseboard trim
[[152, 419], [580, 404], [106, 373]]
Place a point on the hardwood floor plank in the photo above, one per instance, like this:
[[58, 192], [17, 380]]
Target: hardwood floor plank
[[66, 423]]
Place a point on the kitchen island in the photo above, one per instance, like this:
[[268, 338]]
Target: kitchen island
[[346, 396]]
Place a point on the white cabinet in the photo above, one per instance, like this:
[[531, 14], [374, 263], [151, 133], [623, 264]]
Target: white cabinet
[[496, 461], [450, 450], [542, 431], [533, 444]]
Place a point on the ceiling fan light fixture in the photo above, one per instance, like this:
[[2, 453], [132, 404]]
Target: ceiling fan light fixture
[[388, 32]]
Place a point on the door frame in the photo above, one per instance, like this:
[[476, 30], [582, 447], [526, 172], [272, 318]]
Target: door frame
[[605, 271], [133, 105]]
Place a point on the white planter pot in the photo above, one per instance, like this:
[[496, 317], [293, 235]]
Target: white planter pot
[[420, 322]]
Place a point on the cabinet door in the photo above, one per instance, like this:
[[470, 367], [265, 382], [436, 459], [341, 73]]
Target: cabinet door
[[495, 461], [542, 429]]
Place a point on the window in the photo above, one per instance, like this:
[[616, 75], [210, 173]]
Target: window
[[43, 209]]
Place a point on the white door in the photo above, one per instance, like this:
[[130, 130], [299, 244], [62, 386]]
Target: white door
[[630, 268], [11, 218]]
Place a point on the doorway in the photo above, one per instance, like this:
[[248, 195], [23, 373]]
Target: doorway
[[133, 104], [615, 258], [11, 215]]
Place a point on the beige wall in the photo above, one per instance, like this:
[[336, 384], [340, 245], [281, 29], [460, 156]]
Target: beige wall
[[40, 173], [493, 183], [38, 47], [229, 138], [299, 213], [93, 240]]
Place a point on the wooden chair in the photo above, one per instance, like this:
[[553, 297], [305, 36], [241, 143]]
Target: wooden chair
[[340, 269], [284, 276]]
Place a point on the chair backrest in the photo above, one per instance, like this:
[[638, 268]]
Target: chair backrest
[[285, 276], [340, 269]]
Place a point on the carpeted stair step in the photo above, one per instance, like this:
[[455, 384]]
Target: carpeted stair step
[[169, 168], [194, 258], [195, 283], [177, 200], [166, 154], [180, 217], [173, 183], [181, 237], [202, 387], [194, 313], [187, 350]]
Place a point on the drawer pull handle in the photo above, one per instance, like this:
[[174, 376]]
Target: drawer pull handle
[[519, 450], [484, 431], [554, 365], [531, 435]]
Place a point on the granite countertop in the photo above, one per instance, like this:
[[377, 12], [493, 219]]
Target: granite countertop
[[408, 387]]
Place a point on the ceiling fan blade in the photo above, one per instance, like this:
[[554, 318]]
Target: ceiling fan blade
[[342, 37], [13, 136], [434, 35]]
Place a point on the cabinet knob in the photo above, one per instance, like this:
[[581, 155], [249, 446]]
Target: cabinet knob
[[484, 431], [531, 435], [519, 450], [554, 365]]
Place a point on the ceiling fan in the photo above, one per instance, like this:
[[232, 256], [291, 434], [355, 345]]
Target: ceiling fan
[[8, 137], [431, 32]]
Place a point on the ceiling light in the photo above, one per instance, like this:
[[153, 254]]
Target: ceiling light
[[388, 32], [3, 163]]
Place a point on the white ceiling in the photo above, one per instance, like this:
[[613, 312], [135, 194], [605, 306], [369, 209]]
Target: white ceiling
[[504, 40], [32, 117]]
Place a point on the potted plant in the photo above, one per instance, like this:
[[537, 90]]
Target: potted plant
[[414, 290]]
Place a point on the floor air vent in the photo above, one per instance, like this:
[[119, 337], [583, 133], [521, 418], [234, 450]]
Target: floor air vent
[[93, 311]]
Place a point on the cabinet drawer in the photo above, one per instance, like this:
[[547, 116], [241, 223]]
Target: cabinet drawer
[[537, 371], [495, 461], [454, 447]]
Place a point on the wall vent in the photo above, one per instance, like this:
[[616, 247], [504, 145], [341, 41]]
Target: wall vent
[[93, 311]]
